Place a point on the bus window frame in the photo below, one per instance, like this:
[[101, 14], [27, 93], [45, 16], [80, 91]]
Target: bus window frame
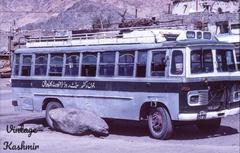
[[149, 62], [136, 62], [183, 50], [49, 64], [67, 55], [21, 64], [34, 64], [14, 64], [133, 64]]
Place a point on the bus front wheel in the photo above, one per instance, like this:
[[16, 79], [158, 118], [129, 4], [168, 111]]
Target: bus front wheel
[[160, 124], [209, 126], [50, 106]]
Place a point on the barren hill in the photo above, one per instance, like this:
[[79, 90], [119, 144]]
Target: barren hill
[[21, 12]]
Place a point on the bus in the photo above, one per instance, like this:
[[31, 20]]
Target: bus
[[161, 76]]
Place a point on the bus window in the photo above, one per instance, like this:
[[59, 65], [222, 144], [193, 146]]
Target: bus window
[[126, 64], [225, 61], [141, 64], [41, 64], [26, 65], [107, 63], [16, 65], [89, 62], [72, 65], [177, 62], [158, 63], [56, 65], [238, 58], [201, 61]]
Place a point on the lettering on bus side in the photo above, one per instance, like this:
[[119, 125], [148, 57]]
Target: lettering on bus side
[[68, 84]]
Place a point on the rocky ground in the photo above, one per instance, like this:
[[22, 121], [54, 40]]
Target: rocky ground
[[125, 136]]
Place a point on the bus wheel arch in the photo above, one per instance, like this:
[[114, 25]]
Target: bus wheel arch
[[49, 104], [147, 107], [48, 100]]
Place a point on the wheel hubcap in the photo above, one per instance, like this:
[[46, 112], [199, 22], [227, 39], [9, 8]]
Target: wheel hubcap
[[157, 121]]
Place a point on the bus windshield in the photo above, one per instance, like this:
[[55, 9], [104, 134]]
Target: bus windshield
[[202, 61], [225, 61]]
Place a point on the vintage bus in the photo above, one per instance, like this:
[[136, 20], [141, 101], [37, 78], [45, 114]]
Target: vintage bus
[[162, 76]]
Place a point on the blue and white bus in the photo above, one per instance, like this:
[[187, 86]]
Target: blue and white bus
[[161, 76]]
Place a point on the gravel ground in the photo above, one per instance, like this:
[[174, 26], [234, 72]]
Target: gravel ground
[[125, 136]]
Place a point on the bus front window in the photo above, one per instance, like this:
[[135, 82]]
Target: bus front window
[[201, 61], [225, 61]]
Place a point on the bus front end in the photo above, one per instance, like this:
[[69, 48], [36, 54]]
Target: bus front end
[[212, 86]]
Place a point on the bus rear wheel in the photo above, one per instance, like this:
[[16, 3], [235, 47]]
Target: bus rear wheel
[[160, 124], [50, 106], [209, 126]]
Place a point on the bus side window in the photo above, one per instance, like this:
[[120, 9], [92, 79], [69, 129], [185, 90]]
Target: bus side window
[[16, 64], [141, 64], [89, 62], [56, 65], [26, 65], [158, 63], [41, 64], [72, 65], [126, 64], [107, 63], [177, 62]]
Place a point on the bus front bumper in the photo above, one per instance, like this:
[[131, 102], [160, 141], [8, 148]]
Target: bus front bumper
[[208, 115]]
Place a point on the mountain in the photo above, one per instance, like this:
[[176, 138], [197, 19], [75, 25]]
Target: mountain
[[79, 13], [71, 14]]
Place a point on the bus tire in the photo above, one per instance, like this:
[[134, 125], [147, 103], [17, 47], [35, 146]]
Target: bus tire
[[51, 105], [209, 126], [160, 124]]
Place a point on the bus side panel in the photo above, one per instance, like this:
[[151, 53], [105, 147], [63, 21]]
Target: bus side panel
[[109, 104]]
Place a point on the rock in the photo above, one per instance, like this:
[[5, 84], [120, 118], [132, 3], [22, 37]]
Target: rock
[[78, 122]]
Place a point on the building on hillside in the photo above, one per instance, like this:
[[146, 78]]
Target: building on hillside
[[185, 7]]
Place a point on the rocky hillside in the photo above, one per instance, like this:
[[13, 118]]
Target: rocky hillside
[[76, 13], [71, 14]]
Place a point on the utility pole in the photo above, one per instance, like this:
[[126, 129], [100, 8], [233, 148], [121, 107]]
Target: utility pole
[[196, 5]]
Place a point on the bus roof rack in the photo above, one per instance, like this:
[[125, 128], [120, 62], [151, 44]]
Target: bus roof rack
[[124, 36]]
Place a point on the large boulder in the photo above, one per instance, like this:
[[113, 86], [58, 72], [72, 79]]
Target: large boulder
[[78, 122]]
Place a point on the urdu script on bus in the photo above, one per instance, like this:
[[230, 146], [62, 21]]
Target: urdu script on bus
[[68, 85]]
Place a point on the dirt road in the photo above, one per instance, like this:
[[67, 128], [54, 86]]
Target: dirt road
[[125, 136]]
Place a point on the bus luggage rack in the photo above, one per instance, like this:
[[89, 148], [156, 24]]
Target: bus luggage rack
[[93, 39], [127, 36]]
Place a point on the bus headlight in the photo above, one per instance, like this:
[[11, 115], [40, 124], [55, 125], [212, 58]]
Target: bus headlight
[[194, 99], [197, 97], [236, 96]]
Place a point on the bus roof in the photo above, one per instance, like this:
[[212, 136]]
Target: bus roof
[[128, 47]]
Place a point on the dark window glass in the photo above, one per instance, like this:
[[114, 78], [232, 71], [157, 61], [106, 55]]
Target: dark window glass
[[201, 61], [89, 62], [177, 62], [126, 64], [26, 65], [107, 64], [17, 62], [56, 65], [199, 35], [190, 34], [141, 64], [238, 58], [225, 61], [72, 65], [41, 64], [158, 63]]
